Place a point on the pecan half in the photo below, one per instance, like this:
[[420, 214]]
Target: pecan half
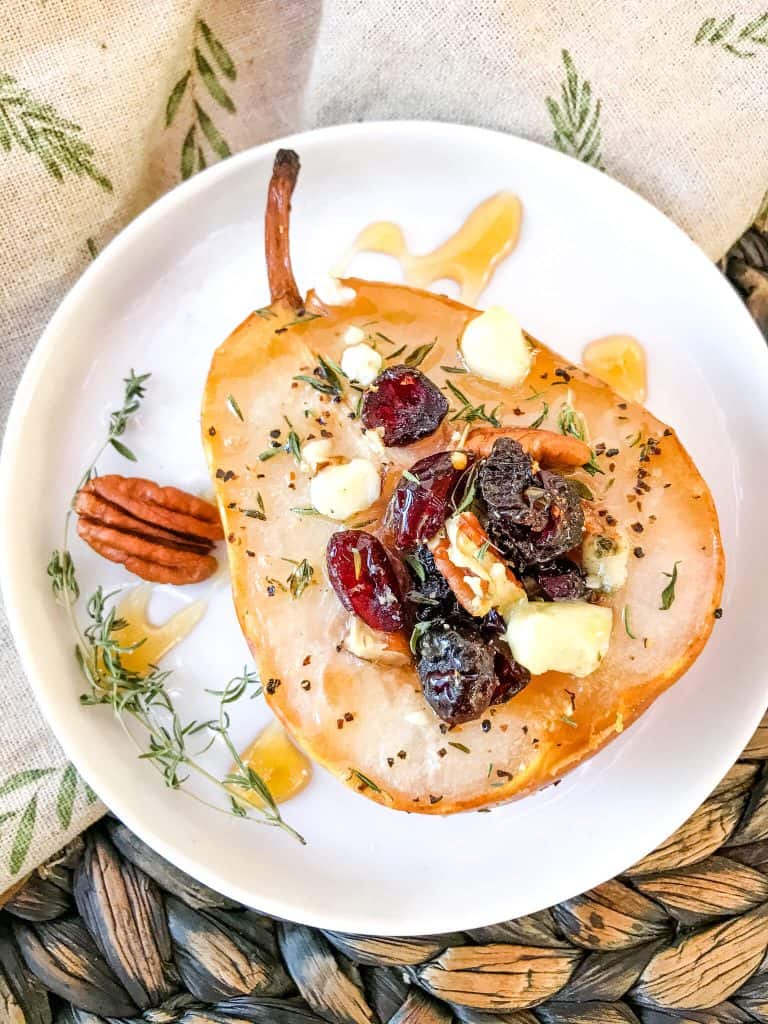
[[161, 534]]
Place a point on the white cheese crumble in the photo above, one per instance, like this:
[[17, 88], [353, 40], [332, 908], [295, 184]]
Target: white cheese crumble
[[332, 292], [559, 636], [340, 491], [493, 346], [353, 335], [361, 363], [371, 645], [373, 437], [605, 561], [314, 454]]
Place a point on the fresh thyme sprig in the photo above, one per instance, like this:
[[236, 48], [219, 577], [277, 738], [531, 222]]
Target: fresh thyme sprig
[[135, 390], [61, 568], [327, 377], [292, 446], [419, 354], [144, 696], [300, 577], [541, 417], [244, 778], [573, 424], [471, 413]]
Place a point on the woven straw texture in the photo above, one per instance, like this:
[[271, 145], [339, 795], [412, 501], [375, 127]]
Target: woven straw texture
[[108, 930], [111, 930]]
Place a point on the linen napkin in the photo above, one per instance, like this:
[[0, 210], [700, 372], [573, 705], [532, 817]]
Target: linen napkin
[[106, 104]]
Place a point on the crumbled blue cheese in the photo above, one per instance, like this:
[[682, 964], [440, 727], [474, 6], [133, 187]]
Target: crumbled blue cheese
[[371, 645], [494, 347], [353, 335], [361, 363], [342, 490], [605, 559], [559, 636], [315, 454]]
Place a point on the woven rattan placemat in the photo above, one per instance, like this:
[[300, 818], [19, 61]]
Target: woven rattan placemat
[[110, 930]]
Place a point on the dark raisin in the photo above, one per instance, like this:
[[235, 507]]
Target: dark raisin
[[405, 404], [507, 485], [456, 668], [430, 596], [364, 580], [492, 625], [511, 677], [420, 503], [532, 518], [561, 580]]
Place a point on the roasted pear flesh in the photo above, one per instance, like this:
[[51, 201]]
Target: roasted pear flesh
[[273, 395]]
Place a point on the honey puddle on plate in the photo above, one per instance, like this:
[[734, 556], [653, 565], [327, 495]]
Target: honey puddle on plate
[[468, 257], [619, 360], [284, 768], [279, 762], [158, 640]]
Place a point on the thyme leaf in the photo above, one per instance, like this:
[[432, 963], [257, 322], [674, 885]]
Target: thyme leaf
[[300, 577], [234, 408], [668, 593], [419, 354], [625, 614], [418, 569], [418, 631], [541, 417], [365, 780], [471, 413]]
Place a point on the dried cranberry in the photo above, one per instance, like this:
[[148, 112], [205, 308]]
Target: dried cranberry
[[419, 505], [511, 677], [364, 580], [456, 668], [561, 580], [405, 403]]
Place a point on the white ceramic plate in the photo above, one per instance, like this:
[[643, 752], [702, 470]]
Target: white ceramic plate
[[593, 259]]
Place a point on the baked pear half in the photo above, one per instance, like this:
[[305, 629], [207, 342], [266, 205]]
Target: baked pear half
[[463, 565]]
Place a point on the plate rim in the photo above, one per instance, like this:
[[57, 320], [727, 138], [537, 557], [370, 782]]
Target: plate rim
[[45, 347]]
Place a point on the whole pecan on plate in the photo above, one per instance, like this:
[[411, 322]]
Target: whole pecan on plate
[[159, 533]]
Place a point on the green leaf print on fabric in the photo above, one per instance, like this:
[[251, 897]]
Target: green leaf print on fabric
[[734, 40], [24, 832], [211, 61], [36, 128], [21, 779], [761, 218], [576, 120], [24, 818], [66, 797]]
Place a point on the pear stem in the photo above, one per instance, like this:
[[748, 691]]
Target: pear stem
[[282, 285]]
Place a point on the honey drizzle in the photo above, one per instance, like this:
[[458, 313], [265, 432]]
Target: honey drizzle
[[285, 769], [158, 640], [618, 360], [468, 257]]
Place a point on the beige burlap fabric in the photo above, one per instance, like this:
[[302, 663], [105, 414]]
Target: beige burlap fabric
[[105, 104]]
